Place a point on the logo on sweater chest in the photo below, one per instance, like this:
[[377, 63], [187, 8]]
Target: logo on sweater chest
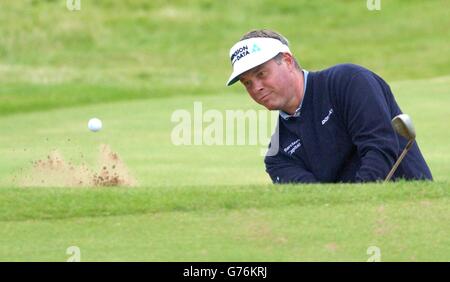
[[291, 148], [330, 112]]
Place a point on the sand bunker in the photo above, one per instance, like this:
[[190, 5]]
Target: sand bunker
[[54, 171]]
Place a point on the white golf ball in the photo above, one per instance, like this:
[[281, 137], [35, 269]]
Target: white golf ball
[[95, 124]]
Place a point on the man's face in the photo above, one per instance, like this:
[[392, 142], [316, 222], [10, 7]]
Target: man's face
[[269, 84]]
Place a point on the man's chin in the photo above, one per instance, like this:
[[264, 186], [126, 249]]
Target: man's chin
[[270, 106]]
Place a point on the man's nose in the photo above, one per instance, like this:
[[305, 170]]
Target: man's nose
[[258, 86]]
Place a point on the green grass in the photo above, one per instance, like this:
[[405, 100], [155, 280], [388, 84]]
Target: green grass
[[56, 203], [213, 202], [142, 49], [133, 63], [264, 223]]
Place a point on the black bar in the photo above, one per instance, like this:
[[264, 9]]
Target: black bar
[[229, 271]]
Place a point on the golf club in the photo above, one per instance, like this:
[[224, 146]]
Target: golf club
[[403, 125]]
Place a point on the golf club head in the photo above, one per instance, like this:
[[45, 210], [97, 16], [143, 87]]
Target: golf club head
[[403, 125]]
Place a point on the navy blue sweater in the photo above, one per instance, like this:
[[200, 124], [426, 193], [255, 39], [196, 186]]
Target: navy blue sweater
[[343, 134]]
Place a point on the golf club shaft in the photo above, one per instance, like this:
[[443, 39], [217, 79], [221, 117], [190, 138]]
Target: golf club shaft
[[399, 160]]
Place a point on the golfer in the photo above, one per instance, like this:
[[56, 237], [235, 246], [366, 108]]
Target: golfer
[[334, 124]]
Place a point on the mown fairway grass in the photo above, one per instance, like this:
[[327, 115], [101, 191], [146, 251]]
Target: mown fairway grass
[[133, 63], [212, 202], [238, 223]]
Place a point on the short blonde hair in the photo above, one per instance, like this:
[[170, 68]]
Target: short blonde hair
[[270, 34], [265, 33]]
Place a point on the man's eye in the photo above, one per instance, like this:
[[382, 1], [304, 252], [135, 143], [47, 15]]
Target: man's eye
[[262, 73], [247, 83]]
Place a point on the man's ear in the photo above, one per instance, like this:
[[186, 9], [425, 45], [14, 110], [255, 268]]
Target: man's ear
[[289, 61]]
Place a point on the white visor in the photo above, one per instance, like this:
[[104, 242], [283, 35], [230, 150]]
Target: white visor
[[252, 52]]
